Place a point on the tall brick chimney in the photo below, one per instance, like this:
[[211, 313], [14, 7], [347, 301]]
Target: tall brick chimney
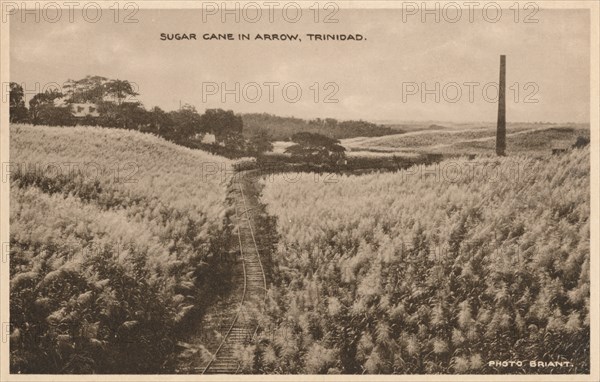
[[501, 127]]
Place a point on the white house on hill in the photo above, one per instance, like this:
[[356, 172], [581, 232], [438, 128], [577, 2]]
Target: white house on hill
[[81, 110]]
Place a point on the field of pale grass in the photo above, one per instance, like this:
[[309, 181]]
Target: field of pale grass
[[436, 269], [112, 234]]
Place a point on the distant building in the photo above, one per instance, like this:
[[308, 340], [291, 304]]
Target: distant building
[[79, 110], [559, 146], [88, 109], [82, 110], [209, 138]]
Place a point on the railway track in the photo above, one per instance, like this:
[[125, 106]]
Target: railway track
[[253, 293]]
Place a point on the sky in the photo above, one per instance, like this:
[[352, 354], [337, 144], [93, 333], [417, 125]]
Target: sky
[[378, 79]]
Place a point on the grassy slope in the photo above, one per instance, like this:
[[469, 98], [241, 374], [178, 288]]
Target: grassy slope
[[106, 266], [521, 138]]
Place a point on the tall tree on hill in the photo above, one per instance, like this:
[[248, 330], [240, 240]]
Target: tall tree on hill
[[17, 109], [316, 147], [225, 125], [133, 115], [160, 122], [86, 90], [96, 89], [43, 110], [119, 90], [187, 123], [260, 142], [128, 115]]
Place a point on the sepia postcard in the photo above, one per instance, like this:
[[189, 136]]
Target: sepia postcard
[[299, 190]]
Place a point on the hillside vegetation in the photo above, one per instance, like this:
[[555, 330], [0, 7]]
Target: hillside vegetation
[[474, 262], [283, 128], [113, 241]]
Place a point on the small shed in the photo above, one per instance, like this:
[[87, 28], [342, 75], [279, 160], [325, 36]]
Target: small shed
[[560, 146]]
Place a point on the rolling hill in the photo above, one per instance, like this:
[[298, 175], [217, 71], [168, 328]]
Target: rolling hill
[[113, 240], [521, 139]]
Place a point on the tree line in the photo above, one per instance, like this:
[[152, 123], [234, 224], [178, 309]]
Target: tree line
[[112, 103], [283, 128], [115, 106]]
